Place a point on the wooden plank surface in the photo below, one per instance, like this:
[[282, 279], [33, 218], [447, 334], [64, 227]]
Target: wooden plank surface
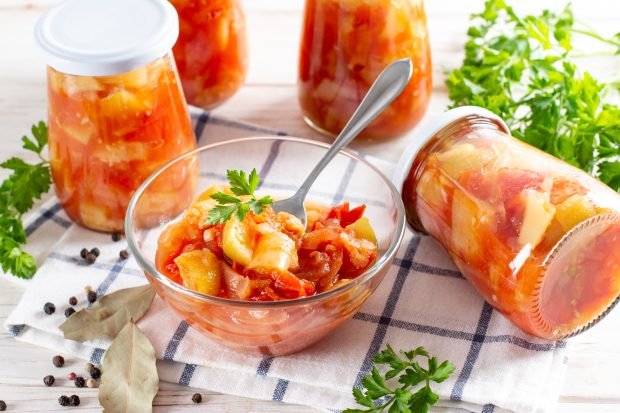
[[269, 98]]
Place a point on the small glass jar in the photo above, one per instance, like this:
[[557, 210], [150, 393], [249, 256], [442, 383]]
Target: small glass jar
[[116, 110], [345, 44], [212, 51], [538, 238]]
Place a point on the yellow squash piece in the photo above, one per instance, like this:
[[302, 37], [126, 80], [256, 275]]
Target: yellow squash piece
[[274, 251], [465, 217], [238, 242], [200, 271], [463, 157], [574, 210], [539, 213], [362, 229]]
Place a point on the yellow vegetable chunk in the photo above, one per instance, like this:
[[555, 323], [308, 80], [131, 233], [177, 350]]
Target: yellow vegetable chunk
[[200, 271], [465, 215], [363, 229], [125, 103], [539, 213], [274, 251], [238, 241], [574, 210], [463, 157]]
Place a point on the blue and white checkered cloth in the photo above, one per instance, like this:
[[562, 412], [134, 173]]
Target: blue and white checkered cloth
[[422, 301]]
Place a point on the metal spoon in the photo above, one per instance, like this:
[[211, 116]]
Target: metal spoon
[[383, 91]]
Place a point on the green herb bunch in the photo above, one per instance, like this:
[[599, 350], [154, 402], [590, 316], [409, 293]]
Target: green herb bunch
[[378, 396], [18, 192], [521, 68]]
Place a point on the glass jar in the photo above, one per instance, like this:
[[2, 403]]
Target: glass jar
[[345, 44], [116, 110], [212, 51], [538, 238]]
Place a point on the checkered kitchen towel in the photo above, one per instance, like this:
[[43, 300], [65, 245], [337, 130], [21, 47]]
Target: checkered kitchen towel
[[422, 301]]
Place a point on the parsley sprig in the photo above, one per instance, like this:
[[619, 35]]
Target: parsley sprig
[[522, 69], [229, 205], [378, 396], [18, 192]]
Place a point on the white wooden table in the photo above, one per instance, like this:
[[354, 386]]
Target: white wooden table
[[269, 98]]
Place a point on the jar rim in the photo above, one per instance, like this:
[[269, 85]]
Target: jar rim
[[106, 37]]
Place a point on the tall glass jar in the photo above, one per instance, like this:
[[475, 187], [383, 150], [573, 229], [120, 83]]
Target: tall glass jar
[[212, 51], [345, 44], [538, 238], [115, 106]]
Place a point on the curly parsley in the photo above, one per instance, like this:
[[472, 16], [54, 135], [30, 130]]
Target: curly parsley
[[520, 68], [377, 396], [27, 183], [229, 205]]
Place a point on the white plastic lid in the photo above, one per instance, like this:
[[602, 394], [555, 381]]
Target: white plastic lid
[[106, 37], [430, 129]]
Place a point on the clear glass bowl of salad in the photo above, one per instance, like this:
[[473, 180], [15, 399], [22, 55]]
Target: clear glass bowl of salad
[[283, 287]]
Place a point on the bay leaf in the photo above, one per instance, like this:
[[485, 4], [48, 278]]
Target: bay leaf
[[109, 314], [129, 381]]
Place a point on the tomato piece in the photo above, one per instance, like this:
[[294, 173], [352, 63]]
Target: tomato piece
[[346, 216]]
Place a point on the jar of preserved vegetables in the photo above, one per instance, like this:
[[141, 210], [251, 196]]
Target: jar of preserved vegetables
[[212, 51], [116, 110], [538, 238], [345, 44]]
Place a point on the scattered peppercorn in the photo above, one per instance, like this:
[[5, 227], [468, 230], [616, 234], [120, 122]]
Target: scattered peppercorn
[[2, 406], [73, 301], [95, 373], [80, 382], [87, 288], [58, 361], [91, 296], [49, 308], [95, 251], [92, 383], [197, 398], [83, 253], [49, 380], [116, 236], [71, 376], [124, 254], [88, 367], [74, 400], [63, 400], [90, 258], [69, 312]]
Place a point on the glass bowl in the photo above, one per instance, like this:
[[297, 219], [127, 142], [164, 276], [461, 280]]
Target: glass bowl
[[279, 327]]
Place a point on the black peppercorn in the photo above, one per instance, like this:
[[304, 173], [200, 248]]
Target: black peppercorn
[[74, 400], [58, 361], [95, 373], [95, 251], [69, 312], [63, 400], [73, 301], [83, 253], [2, 406], [116, 236], [80, 382], [49, 308], [49, 380], [197, 398], [91, 296], [90, 258], [123, 254]]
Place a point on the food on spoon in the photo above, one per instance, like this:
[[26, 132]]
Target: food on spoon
[[246, 251]]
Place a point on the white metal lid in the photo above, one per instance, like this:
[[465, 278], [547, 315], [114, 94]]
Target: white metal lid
[[106, 37], [430, 129]]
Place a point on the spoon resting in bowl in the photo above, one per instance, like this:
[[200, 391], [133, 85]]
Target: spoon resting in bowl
[[388, 86]]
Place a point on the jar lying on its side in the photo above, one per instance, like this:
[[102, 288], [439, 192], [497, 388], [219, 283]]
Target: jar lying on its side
[[115, 107], [212, 51], [538, 238]]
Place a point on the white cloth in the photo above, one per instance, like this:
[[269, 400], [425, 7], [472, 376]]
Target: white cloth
[[422, 301]]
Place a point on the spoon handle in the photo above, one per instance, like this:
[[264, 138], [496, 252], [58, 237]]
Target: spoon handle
[[390, 83]]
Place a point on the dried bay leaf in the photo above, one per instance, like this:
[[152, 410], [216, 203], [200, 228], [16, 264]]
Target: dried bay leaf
[[129, 381], [109, 315]]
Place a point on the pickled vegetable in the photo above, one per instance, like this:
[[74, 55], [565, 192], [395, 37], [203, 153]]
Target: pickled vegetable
[[269, 256], [107, 134], [345, 45]]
